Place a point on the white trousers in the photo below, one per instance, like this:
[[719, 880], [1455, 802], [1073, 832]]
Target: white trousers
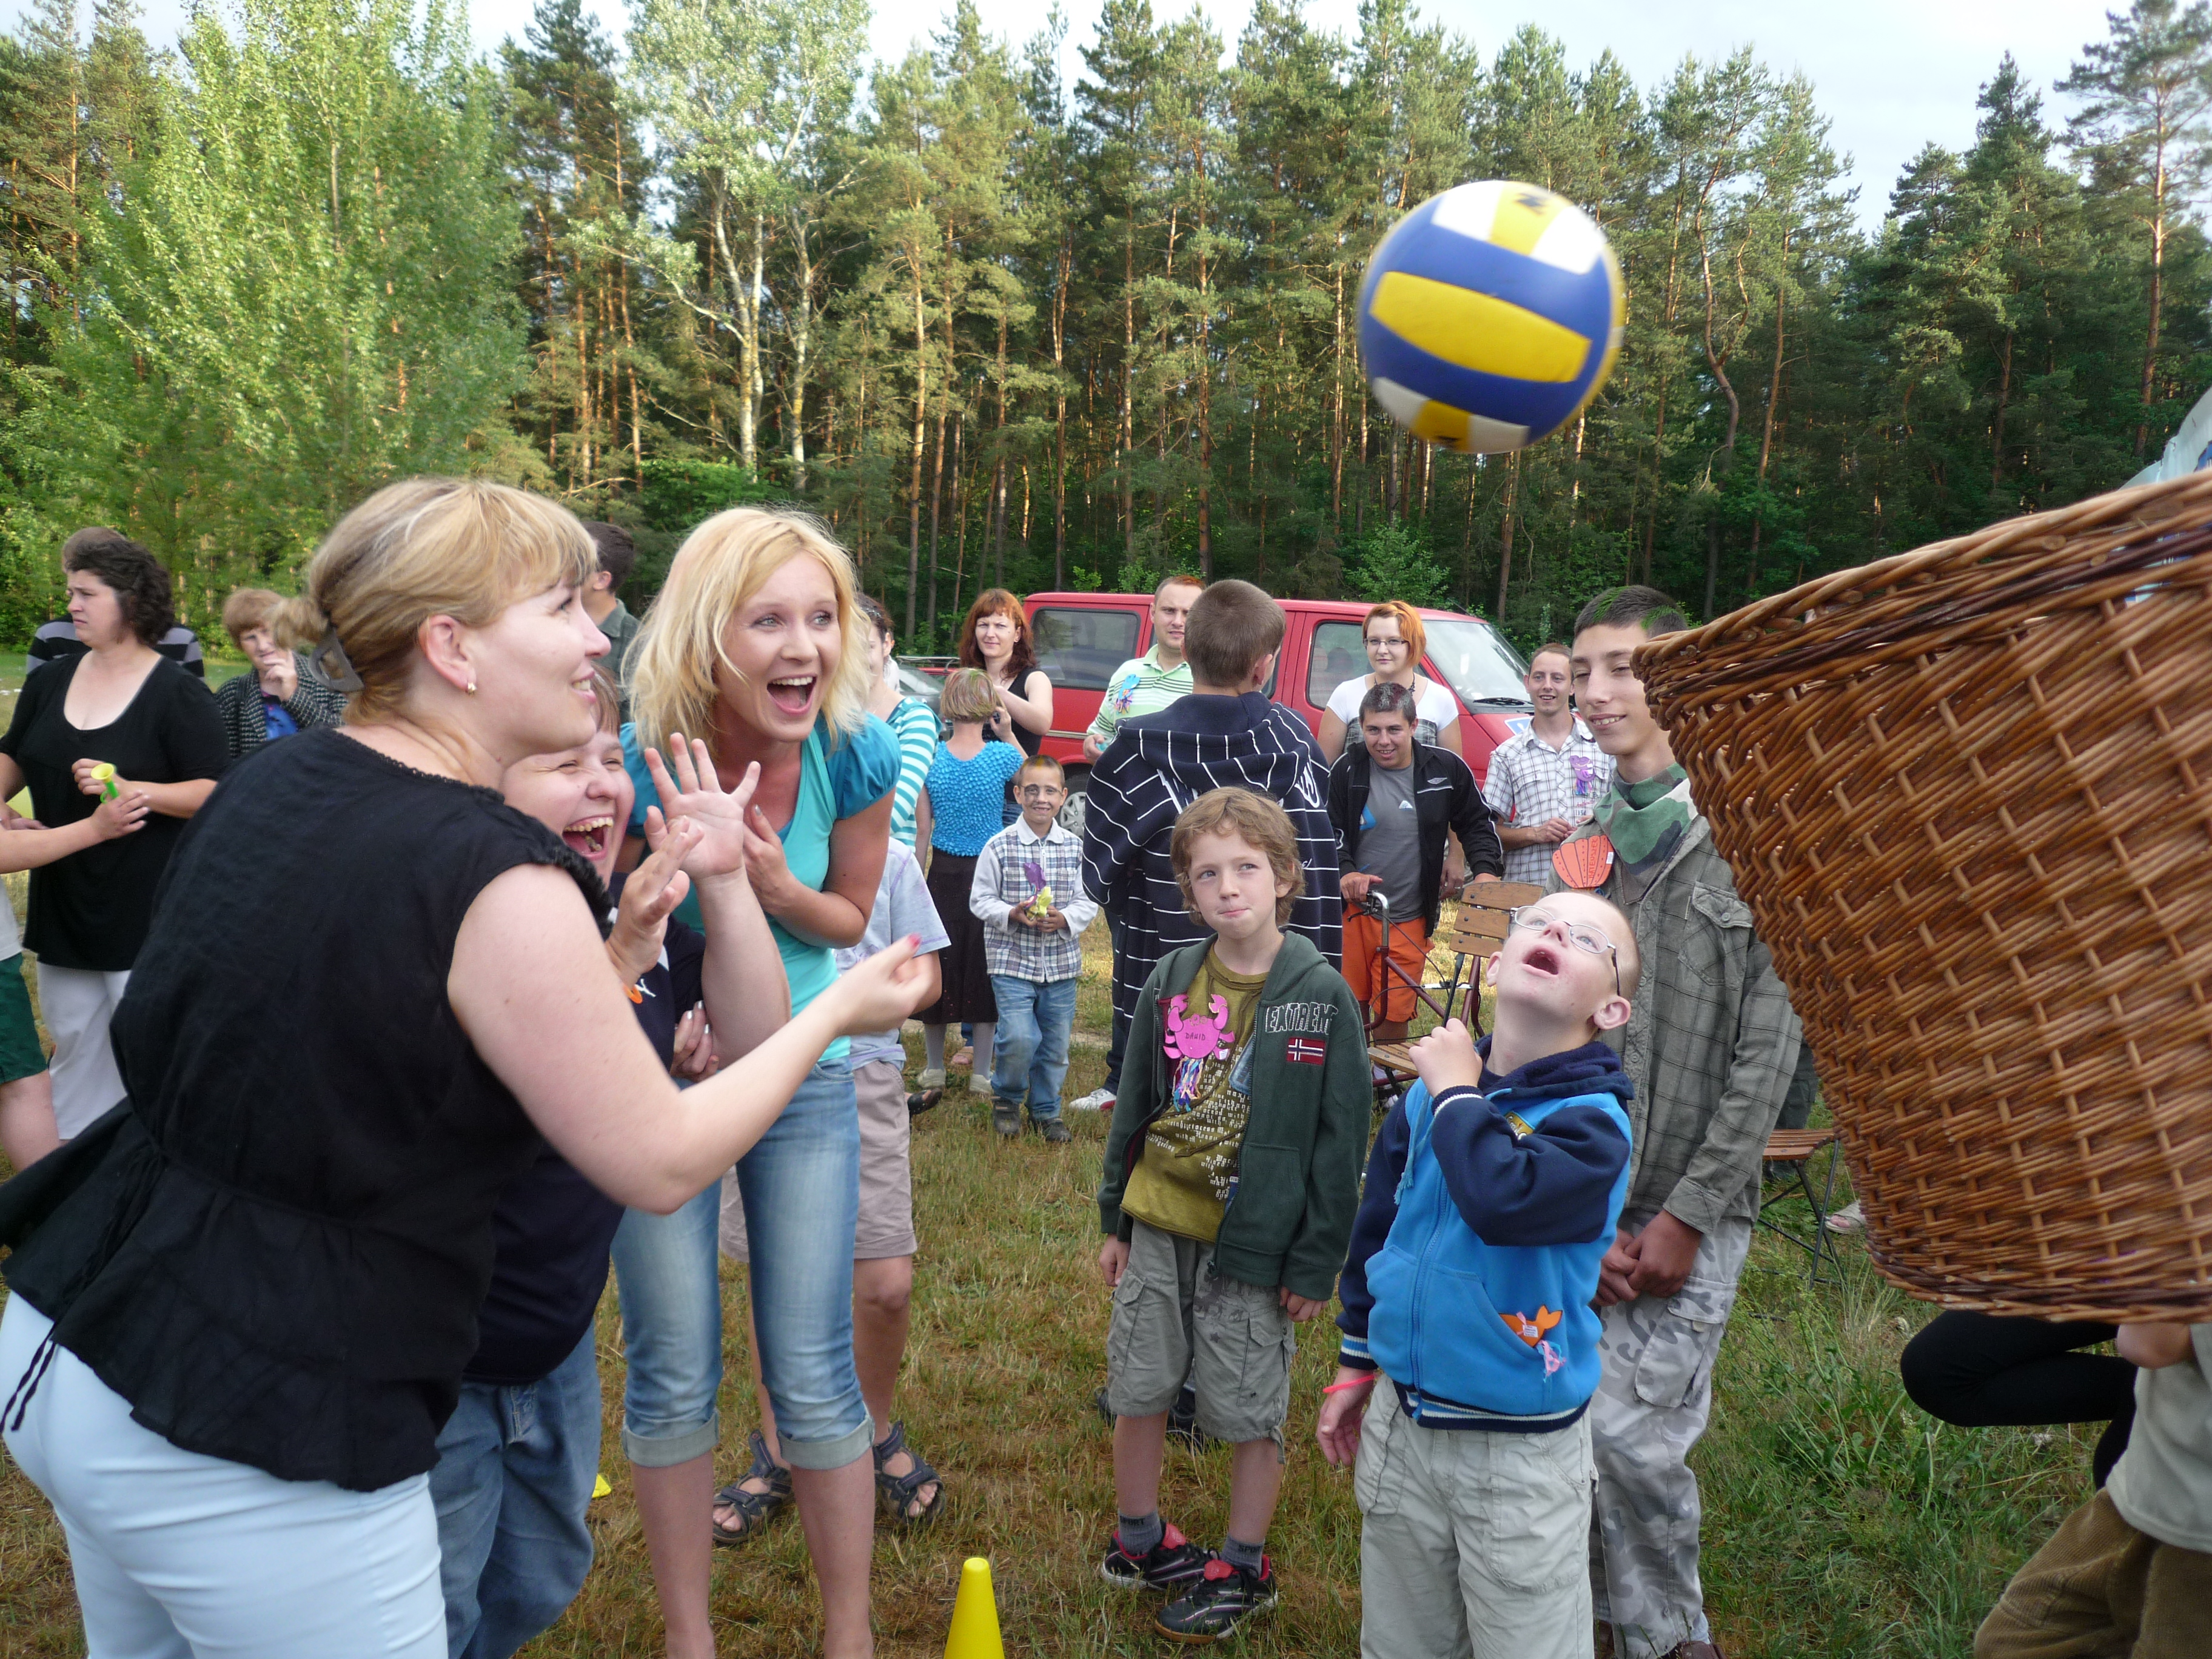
[[177, 1555], [77, 1004]]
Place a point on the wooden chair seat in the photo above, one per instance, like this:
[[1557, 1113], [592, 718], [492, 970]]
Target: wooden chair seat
[[1795, 1146], [1792, 1150]]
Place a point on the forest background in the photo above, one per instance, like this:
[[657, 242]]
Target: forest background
[[1002, 329]]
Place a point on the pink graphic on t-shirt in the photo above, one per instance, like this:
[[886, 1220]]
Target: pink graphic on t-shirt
[[1194, 1037]]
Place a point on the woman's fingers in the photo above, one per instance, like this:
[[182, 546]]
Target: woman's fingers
[[742, 796], [885, 988], [688, 770]]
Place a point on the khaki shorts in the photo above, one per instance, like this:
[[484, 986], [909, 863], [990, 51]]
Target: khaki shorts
[[1171, 1308], [886, 1227]]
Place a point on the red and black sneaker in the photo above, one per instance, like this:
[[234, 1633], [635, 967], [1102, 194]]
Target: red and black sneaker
[[1217, 1607], [1173, 1564]]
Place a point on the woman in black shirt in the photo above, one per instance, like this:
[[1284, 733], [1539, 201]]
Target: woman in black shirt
[[124, 705], [242, 1303]]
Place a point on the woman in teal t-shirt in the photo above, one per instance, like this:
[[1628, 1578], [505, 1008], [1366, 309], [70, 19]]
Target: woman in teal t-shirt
[[756, 643]]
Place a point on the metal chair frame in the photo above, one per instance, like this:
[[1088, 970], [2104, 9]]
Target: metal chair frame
[[1795, 1150], [1478, 930]]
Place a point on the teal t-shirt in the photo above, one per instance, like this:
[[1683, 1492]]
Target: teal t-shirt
[[834, 784]]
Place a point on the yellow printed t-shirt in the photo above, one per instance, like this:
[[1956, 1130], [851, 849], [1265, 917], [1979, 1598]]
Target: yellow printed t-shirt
[[1183, 1182]]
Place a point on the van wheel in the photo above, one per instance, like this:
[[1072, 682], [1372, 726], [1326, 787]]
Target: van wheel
[[1072, 811]]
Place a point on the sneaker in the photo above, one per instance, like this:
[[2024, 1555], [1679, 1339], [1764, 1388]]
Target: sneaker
[[979, 1083], [1173, 1564], [1098, 1100], [1054, 1131], [1007, 1120], [933, 1076], [1217, 1607]]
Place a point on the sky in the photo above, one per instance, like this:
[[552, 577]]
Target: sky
[[1891, 74]]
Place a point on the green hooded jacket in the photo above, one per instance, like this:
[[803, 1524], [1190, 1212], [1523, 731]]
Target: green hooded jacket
[[1289, 1221]]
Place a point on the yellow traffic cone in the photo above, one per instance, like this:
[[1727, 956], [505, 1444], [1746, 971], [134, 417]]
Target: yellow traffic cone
[[974, 1615]]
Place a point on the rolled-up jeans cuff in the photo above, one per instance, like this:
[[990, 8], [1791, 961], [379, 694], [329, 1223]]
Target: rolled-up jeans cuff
[[666, 1451], [828, 1454]]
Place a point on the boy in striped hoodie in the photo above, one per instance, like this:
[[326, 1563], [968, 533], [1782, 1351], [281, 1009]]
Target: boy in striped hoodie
[[1226, 733], [1492, 1193]]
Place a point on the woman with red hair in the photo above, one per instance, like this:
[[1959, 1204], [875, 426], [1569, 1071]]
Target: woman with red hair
[[1395, 642], [995, 638]]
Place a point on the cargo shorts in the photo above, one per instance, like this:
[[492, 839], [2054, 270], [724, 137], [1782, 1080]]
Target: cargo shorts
[[1173, 1316]]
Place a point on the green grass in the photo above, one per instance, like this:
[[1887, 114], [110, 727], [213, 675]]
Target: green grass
[[1839, 1520]]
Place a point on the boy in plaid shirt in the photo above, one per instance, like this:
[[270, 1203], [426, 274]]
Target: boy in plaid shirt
[[1029, 893]]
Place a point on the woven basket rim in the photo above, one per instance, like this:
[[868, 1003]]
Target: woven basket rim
[[2148, 508]]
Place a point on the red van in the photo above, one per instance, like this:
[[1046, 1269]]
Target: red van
[[1082, 638]]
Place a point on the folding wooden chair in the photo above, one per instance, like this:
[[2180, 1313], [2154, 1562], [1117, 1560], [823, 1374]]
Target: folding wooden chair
[[1789, 1151], [1475, 932]]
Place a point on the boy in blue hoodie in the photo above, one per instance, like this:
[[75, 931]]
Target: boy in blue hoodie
[[1493, 1193]]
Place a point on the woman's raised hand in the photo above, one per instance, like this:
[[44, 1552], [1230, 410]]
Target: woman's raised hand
[[882, 991], [695, 792], [651, 894], [123, 815]]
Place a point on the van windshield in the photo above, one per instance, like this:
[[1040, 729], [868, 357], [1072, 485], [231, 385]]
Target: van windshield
[[1476, 659]]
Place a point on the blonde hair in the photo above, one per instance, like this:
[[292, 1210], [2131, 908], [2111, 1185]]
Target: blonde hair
[[424, 548], [968, 697], [248, 609], [1260, 821], [721, 565]]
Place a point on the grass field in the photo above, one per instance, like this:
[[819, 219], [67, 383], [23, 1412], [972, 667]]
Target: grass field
[[1839, 1520]]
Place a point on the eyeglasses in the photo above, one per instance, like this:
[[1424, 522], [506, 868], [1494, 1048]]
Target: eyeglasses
[[1374, 644], [1582, 937]]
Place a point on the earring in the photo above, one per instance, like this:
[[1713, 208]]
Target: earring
[[473, 687]]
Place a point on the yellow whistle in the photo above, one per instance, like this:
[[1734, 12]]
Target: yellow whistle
[[105, 773]]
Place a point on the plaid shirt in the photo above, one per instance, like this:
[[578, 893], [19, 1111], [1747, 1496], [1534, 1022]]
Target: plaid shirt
[[1001, 884], [1531, 782], [1710, 1044]]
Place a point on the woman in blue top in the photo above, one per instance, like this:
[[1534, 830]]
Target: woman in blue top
[[757, 644], [965, 784]]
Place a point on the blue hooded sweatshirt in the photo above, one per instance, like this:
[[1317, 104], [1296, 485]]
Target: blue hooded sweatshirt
[[1476, 1250]]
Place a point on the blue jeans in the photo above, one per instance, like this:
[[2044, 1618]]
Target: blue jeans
[[515, 1468], [801, 1186], [1031, 1055]]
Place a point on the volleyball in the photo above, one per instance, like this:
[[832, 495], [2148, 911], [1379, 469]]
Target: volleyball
[[1490, 317]]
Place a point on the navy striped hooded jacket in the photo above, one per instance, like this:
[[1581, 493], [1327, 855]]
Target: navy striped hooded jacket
[[1157, 765]]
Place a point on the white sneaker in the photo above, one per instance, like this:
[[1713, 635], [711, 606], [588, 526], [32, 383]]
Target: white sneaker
[[1098, 1100], [979, 1083], [933, 1076]]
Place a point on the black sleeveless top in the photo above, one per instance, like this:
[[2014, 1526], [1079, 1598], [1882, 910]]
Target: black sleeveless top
[[276, 1248]]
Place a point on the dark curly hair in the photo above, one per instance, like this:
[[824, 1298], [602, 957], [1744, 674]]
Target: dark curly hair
[[140, 580]]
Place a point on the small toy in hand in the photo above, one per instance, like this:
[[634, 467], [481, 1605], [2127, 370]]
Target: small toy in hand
[[104, 775], [1040, 904]]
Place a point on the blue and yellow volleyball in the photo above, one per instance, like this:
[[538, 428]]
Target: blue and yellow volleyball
[[1491, 316]]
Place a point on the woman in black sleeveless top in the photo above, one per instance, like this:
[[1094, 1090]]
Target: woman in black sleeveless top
[[242, 1300]]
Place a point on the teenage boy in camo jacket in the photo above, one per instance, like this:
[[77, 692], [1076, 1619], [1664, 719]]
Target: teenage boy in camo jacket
[[1710, 1047]]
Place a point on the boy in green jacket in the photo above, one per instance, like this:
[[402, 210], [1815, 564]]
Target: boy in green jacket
[[1231, 1179]]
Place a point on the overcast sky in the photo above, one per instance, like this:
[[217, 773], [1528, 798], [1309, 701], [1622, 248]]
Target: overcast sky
[[1891, 75]]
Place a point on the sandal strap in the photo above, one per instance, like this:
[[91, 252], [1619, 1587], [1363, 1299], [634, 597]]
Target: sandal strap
[[905, 1486]]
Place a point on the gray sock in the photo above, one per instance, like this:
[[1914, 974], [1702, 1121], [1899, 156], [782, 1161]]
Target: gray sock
[[1237, 1553], [1141, 1535]]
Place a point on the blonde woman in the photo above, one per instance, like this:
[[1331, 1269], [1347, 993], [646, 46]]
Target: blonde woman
[[1394, 640], [242, 1300], [757, 643]]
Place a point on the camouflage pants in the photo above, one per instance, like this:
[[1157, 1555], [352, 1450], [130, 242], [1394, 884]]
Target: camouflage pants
[[1651, 1407]]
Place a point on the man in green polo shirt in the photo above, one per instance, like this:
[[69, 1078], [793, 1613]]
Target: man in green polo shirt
[[1147, 684]]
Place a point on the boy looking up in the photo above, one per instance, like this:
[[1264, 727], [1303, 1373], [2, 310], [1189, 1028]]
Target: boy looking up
[[1227, 732], [1029, 893], [1231, 1176], [1710, 1046], [1500, 1174]]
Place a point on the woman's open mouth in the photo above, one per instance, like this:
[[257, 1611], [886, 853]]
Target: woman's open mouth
[[590, 837], [792, 694]]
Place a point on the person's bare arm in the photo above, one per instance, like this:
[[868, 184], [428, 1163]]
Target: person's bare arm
[[12, 780], [529, 984], [838, 914], [27, 1130], [171, 800], [1032, 712], [2154, 1348], [32, 849], [1330, 737]]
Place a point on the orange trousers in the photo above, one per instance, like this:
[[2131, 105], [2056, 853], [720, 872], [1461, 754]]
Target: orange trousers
[[1362, 968]]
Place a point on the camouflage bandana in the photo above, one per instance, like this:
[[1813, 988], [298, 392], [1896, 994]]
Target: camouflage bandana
[[1645, 821]]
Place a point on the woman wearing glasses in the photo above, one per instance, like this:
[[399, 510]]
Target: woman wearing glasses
[[1394, 640]]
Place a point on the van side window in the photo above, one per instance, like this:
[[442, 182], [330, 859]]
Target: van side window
[[1338, 653], [1081, 647]]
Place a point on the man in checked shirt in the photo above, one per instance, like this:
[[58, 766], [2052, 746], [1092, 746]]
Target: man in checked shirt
[[1544, 783], [1710, 1047]]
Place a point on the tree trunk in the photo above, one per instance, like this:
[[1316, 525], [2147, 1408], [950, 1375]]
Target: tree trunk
[[1066, 263], [2157, 288], [1505, 534], [921, 435]]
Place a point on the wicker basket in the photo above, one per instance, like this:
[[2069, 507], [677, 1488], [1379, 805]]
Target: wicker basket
[[1967, 792]]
